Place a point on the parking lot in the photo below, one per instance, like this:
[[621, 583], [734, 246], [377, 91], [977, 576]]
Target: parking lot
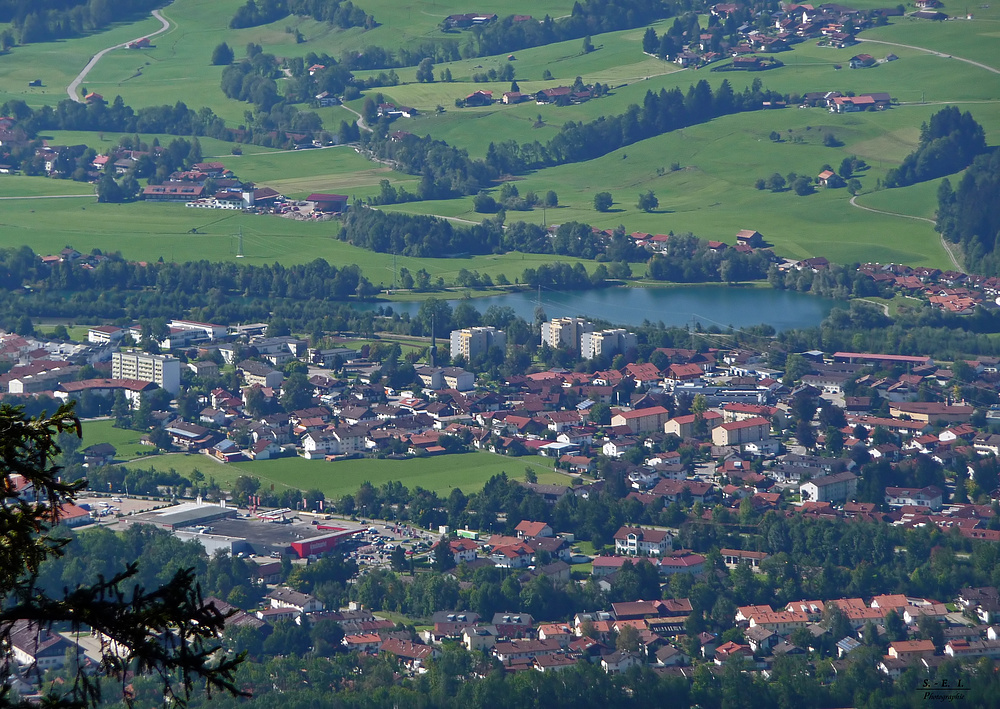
[[108, 508]]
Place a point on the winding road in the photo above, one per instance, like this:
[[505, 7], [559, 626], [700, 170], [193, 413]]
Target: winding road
[[75, 84], [936, 53], [944, 243]]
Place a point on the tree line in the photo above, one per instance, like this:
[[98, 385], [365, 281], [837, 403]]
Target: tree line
[[448, 172], [262, 128], [970, 215], [590, 17], [48, 20], [339, 13]]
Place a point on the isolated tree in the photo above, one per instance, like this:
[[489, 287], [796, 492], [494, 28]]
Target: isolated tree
[[648, 201], [776, 182], [222, 55], [588, 46], [603, 201], [650, 42], [167, 632], [446, 74], [551, 199], [425, 70]]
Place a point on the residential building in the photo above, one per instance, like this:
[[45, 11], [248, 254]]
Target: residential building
[[930, 497], [837, 487], [606, 342], [642, 420], [301, 602], [648, 542], [565, 332], [751, 430], [162, 370], [475, 341]]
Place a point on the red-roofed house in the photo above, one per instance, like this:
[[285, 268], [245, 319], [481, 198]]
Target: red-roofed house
[[528, 530], [642, 420], [648, 542]]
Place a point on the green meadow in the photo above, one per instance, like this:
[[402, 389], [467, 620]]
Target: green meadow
[[147, 231], [125, 441], [711, 195], [468, 471]]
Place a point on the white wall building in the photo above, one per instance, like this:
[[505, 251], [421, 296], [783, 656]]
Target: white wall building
[[162, 370], [606, 342], [474, 341], [565, 332]]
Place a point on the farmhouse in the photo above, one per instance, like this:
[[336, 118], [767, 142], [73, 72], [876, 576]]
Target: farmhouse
[[479, 98], [750, 237], [552, 95]]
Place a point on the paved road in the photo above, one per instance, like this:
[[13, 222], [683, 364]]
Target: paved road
[[945, 244], [360, 121], [936, 53], [75, 84]]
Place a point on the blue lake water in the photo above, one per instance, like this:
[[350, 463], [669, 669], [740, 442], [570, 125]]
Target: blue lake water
[[709, 305]]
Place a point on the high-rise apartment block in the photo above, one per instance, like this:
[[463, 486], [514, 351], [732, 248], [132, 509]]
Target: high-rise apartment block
[[565, 332], [474, 341], [606, 342], [162, 370]]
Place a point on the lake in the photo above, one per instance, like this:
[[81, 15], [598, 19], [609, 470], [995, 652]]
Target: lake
[[721, 306]]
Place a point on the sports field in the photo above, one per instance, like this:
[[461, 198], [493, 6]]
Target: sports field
[[468, 471]]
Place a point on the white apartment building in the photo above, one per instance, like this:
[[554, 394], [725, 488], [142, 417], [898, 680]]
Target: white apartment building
[[565, 332], [162, 370], [606, 342], [474, 341]]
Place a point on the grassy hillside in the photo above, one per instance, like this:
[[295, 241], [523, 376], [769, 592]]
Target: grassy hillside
[[712, 195]]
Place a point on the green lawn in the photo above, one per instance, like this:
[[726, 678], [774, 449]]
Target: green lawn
[[23, 186], [468, 471], [125, 441], [77, 333], [340, 170]]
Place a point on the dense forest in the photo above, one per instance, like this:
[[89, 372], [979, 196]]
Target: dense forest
[[970, 215], [48, 20], [339, 13], [949, 143]]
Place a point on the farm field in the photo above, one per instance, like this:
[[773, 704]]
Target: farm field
[[147, 231], [468, 471], [296, 174], [712, 195], [23, 186]]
